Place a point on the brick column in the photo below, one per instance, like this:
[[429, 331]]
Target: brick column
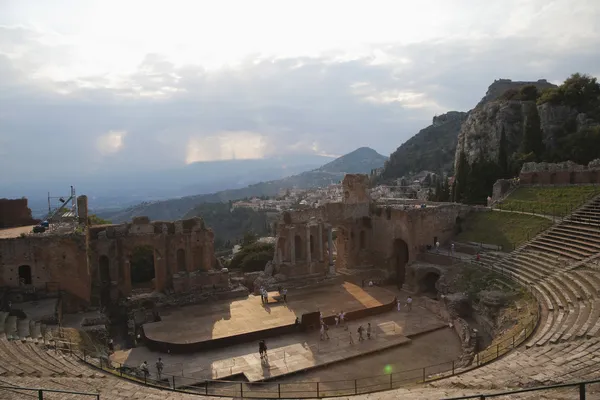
[[320, 242], [308, 255], [292, 246], [330, 242]]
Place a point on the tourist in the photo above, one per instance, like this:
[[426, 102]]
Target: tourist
[[370, 283], [343, 320], [437, 247], [369, 330], [398, 301], [360, 333], [452, 249], [324, 333], [159, 367], [284, 293], [262, 295], [262, 349], [350, 336], [409, 303], [266, 296], [337, 320], [111, 346], [144, 369]]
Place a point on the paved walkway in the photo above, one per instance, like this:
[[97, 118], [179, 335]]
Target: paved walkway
[[550, 217], [290, 353], [226, 318]]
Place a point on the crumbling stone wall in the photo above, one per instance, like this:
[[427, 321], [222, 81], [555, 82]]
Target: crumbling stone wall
[[564, 173], [55, 262], [15, 213], [368, 235], [184, 249]]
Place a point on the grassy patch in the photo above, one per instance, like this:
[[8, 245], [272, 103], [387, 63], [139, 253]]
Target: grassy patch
[[549, 200], [508, 230]]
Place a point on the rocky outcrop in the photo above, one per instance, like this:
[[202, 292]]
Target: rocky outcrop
[[431, 149], [480, 134], [501, 86]]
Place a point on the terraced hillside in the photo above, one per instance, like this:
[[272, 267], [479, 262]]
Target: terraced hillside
[[560, 266]]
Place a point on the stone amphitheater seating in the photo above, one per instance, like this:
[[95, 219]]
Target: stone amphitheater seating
[[556, 265]]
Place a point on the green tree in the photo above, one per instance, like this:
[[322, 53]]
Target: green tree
[[532, 141], [96, 220], [249, 238], [528, 93], [462, 178]]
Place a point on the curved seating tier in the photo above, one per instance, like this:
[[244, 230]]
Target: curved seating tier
[[556, 265]]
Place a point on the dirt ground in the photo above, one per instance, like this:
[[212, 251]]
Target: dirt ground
[[15, 232]]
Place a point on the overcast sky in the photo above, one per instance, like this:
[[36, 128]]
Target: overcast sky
[[89, 86]]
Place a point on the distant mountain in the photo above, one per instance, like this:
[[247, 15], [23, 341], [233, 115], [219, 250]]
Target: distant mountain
[[431, 149], [362, 160]]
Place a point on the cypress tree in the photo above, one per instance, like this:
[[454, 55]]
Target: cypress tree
[[503, 155], [532, 134], [462, 178]]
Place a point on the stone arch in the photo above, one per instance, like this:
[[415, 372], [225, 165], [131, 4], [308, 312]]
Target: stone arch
[[181, 260], [142, 266], [362, 240], [427, 284], [25, 276], [534, 178], [399, 259], [104, 269], [553, 178], [298, 247], [104, 274], [572, 177]]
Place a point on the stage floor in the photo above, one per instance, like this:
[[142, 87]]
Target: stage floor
[[227, 318], [292, 353]]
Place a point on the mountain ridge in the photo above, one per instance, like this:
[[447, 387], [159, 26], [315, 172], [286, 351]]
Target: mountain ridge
[[357, 161]]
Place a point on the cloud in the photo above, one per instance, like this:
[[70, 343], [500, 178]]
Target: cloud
[[111, 142], [108, 100], [228, 146]]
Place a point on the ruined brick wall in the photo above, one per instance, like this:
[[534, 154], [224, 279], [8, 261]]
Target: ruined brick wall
[[565, 173], [52, 260], [416, 227], [15, 213], [180, 248]]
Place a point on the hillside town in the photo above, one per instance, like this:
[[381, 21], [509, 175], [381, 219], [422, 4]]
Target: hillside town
[[415, 187]]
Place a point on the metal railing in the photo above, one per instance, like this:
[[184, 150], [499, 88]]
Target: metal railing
[[581, 388], [40, 392], [259, 390]]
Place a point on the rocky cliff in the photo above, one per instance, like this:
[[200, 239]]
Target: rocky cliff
[[431, 149], [480, 135]]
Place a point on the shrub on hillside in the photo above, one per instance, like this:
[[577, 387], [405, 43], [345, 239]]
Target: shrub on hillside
[[253, 257]]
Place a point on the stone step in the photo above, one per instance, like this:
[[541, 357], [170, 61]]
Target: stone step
[[10, 327], [554, 250], [3, 316]]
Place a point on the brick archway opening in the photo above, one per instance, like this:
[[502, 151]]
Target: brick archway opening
[[142, 267], [104, 272], [180, 260], [427, 284], [25, 275]]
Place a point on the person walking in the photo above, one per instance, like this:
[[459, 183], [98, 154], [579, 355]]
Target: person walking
[[159, 367], [398, 304], [144, 369], [360, 333], [409, 301], [437, 247], [369, 330]]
